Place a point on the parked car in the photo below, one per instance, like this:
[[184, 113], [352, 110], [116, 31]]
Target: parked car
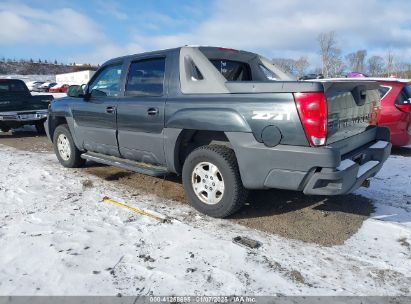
[[45, 87], [39, 86], [396, 109], [18, 107], [32, 84], [59, 88], [35, 86], [356, 74], [311, 76], [213, 116]]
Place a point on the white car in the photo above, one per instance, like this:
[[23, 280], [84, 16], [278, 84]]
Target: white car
[[32, 85]]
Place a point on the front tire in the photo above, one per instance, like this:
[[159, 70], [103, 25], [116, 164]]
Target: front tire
[[212, 181], [67, 153]]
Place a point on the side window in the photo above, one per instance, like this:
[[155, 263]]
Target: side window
[[268, 74], [383, 91], [403, 98], [107, 82], [146, 77]]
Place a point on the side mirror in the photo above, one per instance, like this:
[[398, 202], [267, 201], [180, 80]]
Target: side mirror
[[75, 91]]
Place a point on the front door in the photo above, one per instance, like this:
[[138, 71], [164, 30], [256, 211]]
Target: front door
[[95, 119], [140, 112]]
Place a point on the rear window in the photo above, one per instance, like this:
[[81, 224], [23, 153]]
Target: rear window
[[233, 70], [12, 86], [404, 97]]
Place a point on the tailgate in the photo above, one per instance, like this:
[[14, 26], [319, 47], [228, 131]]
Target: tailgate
[[16, 101], [352, 107]]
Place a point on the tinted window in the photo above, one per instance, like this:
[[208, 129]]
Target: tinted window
[[146, 77], [232, 70], [383, 91], [12, 86], [107, 82], [404, 97]]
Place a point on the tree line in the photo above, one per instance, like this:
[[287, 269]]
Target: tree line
[[10, 66], [335, 64]]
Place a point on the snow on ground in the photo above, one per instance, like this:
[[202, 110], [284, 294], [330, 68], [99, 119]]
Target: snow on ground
[[58, 238]]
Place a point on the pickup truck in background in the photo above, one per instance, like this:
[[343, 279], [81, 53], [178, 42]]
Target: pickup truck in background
[[18, 107], [226, 121]]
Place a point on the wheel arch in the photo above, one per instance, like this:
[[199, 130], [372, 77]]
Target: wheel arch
[[186, 140], [53, 122]]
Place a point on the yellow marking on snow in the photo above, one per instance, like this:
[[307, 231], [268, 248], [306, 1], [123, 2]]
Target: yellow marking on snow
[[113, 202]]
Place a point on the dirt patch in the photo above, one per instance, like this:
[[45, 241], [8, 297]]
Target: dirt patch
[[323, 220], [326, 221], [169, 187], [26, 139], [403, 242]]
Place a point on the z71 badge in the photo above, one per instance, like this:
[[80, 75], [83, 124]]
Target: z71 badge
[[271, 115]]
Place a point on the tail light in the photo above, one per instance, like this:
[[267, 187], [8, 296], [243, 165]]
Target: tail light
[[312, 108], [404, 107]]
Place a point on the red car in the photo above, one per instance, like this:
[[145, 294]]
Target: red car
[[59, 88], [396, 109]]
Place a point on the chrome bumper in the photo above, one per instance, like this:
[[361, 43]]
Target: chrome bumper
[[23, 115]]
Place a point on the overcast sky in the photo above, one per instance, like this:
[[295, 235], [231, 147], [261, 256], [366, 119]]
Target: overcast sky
[[97, 30]]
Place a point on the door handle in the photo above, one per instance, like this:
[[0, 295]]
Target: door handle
[[110, 110], [152, 111]]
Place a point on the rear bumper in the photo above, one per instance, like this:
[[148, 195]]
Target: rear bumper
[[337, 169], [350, 175], [23, 116]]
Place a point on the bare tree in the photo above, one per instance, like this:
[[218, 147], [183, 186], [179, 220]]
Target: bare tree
[[301, 65], [286, 65], [403, 69], [356, 60], [390, 63], [330, 55], [375, 65]]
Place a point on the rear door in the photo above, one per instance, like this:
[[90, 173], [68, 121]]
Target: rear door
[[140, 113], [95, 118]]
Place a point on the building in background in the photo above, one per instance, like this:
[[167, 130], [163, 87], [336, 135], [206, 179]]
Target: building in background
[[79, 78]]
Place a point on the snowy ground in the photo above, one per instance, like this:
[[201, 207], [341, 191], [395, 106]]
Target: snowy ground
[[58, 238]]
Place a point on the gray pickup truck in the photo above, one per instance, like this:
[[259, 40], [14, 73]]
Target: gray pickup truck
[[227, 121], [18, 107]]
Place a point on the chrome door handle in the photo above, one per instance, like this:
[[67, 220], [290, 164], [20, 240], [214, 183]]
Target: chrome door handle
[[152, 111], [110, 110]]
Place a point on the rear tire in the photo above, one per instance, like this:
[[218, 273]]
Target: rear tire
[[66, 151], [212, 181]]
